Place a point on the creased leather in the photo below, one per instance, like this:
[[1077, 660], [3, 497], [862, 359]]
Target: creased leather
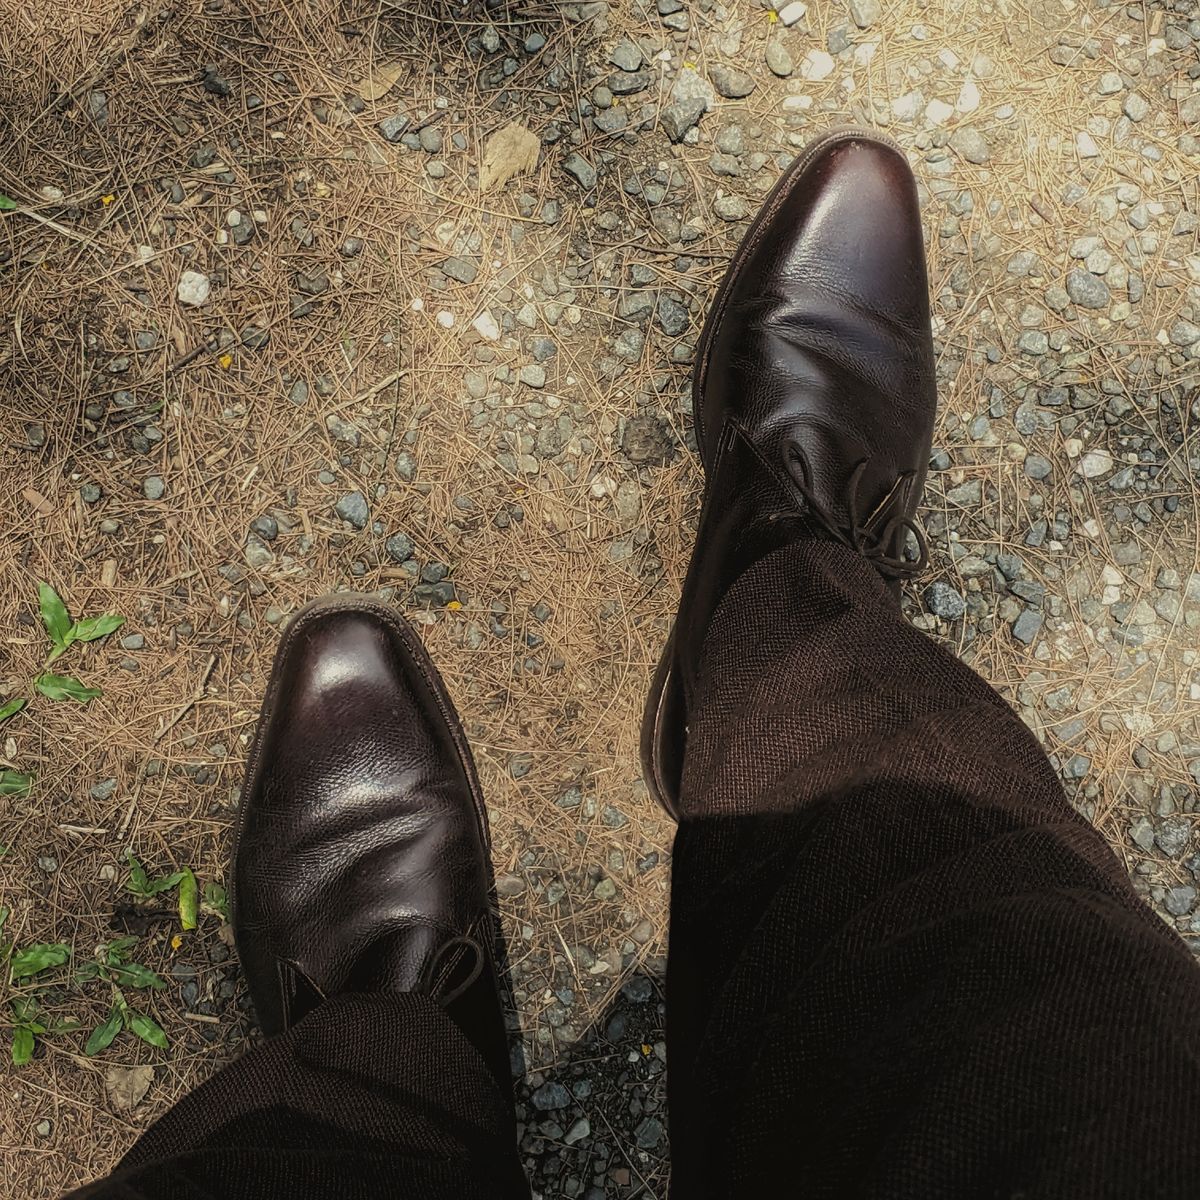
[[819, 339]]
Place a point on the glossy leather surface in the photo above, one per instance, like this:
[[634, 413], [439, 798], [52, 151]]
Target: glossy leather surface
[[814, 395], [362, 852]]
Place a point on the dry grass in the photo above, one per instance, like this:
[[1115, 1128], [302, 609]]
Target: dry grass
[[234, 445]]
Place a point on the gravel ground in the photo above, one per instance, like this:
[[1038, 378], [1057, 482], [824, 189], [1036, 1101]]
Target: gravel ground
[[287, 344]]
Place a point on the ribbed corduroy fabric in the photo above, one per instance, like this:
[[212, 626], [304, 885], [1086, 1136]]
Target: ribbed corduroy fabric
[[901, 965], [367, 1097]]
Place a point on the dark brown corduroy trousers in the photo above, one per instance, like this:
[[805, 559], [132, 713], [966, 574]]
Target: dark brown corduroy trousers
[[900, 965]]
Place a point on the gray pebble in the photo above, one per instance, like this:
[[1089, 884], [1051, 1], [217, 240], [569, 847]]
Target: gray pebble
[[353, 508], [580, 170], [677, 118], [392, 128], [731, 208], [672, 315], [1136, 108], [944, 601], [626, 56], [730, 82], [578, 1131], [778, 59], [628, 85], [399, 547], [462, 270], [104, 790], [1184, 333], [510, 886], [550, 1096], [649, 1134], [1142, 834], [864, 13], [969, 143], [837, 40], [1087, 290], [1173, 835], [266, 527], [1037, 467], [153, 487], [1027, 626]]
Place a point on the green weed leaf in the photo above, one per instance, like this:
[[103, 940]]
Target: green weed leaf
[[137, 976], [24, 1009], [189, 899], [37, 958], [22, 1045], [117, 947], [8, 205], [216, 901], [95, 627], [147, 1029], [13, 783], [64, 687], [54, 616], [86, 972], [102, 1036], [138, 882], [13, 707]]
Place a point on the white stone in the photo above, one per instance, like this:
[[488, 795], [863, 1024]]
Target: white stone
[[817, 64], [487, 327], [864, 13], [938, 111], [445, 319], [864, 52], [1086, 145], [1111, 577], [193, 288], [969, 98], [789, 14], [1095, 463], [906, 107]]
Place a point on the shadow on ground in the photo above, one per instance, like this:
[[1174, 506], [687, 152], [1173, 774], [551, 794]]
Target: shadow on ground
[[595, 1124]]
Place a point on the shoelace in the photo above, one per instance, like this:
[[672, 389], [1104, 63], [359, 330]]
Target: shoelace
[[429, 977], [864, 536]]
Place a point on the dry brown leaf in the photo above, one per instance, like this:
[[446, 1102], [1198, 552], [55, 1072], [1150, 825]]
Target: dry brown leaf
[[381, 80], [39, 503], [508, 152], [126, 1086]]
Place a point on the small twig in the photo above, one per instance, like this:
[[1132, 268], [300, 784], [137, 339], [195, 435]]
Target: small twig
[[204, 1018], [159, 735], [81, 829], [189, 704], [51, 224]]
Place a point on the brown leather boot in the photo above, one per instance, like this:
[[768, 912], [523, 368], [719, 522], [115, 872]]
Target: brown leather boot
[[361, 861], [813, 398]]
